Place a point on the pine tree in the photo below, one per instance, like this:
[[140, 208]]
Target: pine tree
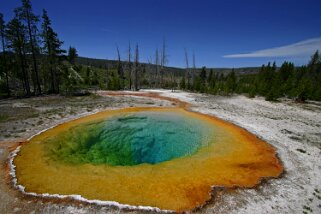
[[4, 53], [210, 76], [314, 74], [203, 75], [199, 82], [231, 82], [87, 77], [315, 60], [285, 72], [16, 37], [182, 84], [212, 82], [197, 86], [52, 49], [95, 80], [72, 55], [27, 16], [274, 66]]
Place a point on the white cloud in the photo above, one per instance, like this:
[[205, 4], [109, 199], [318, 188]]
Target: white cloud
[[302, 48]]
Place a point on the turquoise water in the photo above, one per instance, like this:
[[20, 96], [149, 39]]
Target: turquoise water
[[131, 139]]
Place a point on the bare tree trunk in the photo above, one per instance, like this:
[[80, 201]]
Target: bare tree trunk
[[24, 72], [187, 69], [157, 67], [119, 68], [150, 76], [5, 63], [136, 67], [33, 51], [163, 60], [52, 74], [129, 67], [194, 69]]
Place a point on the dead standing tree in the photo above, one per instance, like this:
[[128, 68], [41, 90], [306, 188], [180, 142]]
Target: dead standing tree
[[194, 69], [137, 67], [157, 76], [163, 62], [129, 67], [151, 76], [120, 69], [187, 69]]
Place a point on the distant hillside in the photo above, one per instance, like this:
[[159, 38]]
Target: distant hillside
[[105, 64]]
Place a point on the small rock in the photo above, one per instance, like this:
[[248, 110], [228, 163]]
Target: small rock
[[17, 209]]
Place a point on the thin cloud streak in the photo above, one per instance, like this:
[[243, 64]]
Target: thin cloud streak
[[302, 48]]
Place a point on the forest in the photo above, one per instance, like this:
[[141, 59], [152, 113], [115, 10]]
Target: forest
[[34, 63]]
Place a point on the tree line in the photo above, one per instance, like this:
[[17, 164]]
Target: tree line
[[32, 62], [299, 83], [30, 57]]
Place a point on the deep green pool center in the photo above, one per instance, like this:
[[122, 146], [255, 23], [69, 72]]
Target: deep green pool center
[[130, 138]]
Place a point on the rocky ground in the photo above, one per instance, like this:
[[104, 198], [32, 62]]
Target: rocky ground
[[293, 129]]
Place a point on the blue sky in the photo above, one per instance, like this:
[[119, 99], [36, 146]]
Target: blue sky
[[225, 33]]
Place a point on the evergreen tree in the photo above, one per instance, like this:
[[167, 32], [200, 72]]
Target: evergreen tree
[[27, 16], [95, 80], [182, 84], [315, 60], [210, 76], [212, 82], [303, 90], [285, 72], [314, 75], [231, 82], [203, 75], [52, 49], [197, 86], [87, 77], [4, 53], [72, 55], [274, 66], [16, 37]]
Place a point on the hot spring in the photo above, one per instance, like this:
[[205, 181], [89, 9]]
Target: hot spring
[[130, 139], [168, 158]]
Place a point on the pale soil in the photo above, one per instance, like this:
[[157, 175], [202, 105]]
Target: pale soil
[[293, 129]]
